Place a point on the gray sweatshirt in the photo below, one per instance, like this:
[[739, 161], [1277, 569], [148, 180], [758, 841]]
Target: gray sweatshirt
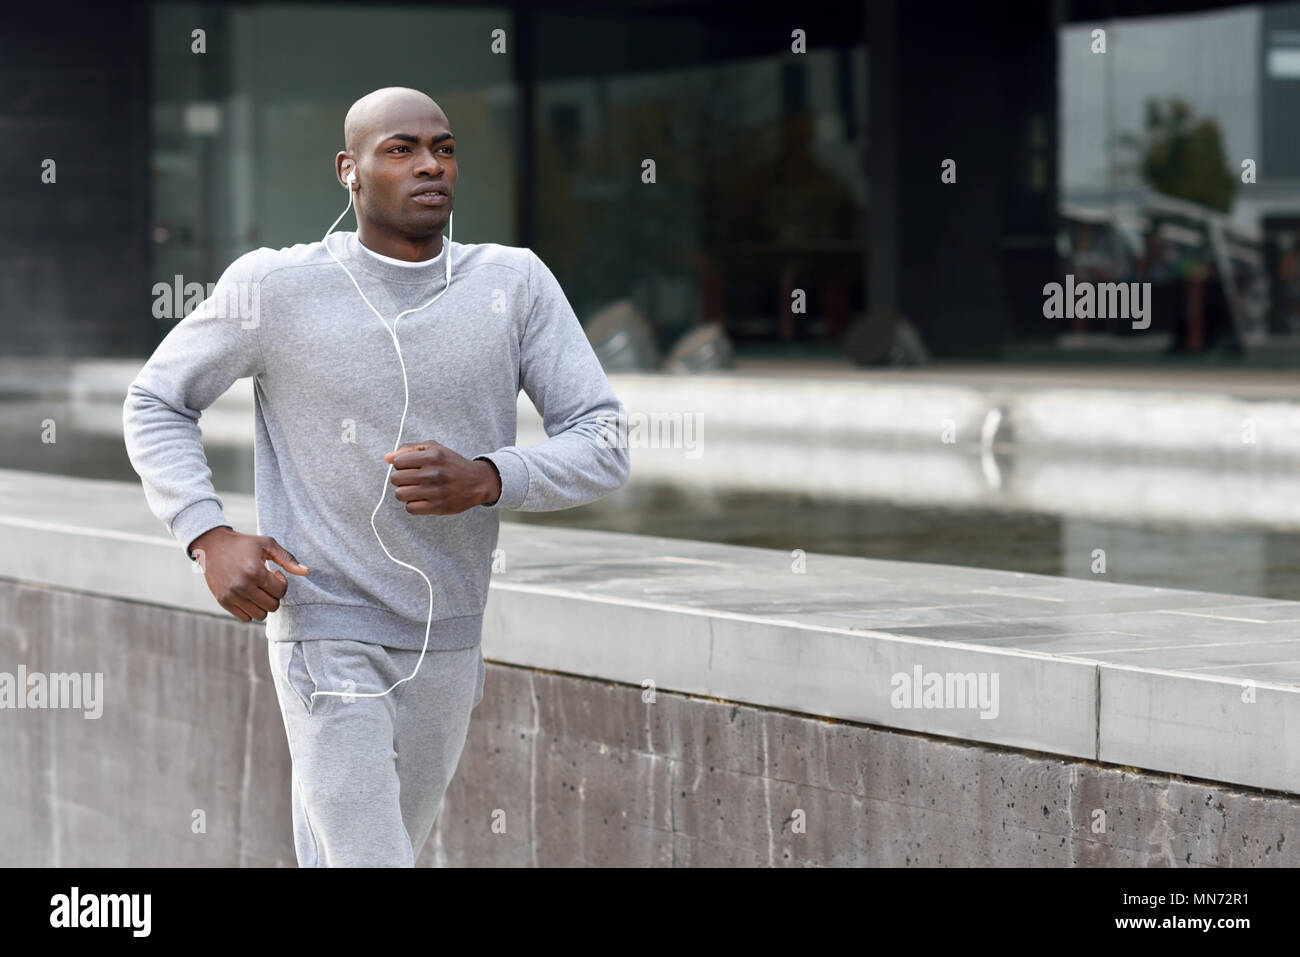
[[328, 402]]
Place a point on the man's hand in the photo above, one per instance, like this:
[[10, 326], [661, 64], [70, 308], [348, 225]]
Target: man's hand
[[235, 568], [433, 480]]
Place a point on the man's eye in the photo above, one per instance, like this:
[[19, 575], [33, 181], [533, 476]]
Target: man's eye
[[399, 148]]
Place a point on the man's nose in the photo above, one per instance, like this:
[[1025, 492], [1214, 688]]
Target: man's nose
[[431, 163]]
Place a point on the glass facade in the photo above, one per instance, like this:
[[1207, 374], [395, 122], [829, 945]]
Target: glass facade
[[758, 185], [741, 137], [1177, 167], [699, 169], [245, 134]]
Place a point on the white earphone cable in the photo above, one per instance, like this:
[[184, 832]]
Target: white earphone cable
[[392, 331]]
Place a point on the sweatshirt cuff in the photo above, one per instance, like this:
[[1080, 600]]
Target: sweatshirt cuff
[[193, 520], [514, 478]]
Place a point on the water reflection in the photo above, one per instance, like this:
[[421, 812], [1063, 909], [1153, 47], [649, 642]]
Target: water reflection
[[1183, 525]]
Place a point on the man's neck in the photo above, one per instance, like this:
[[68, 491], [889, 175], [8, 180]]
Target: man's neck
[[410, 250]]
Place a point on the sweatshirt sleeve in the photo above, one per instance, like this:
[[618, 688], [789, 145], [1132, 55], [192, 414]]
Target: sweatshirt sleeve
[[580, 461], [197, 361]]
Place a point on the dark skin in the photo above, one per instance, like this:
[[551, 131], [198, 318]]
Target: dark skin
[[397, 142]]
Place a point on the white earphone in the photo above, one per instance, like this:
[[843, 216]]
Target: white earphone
[[392, 331]]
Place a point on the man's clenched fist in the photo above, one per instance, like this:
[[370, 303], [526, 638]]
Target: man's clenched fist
[[433, 480], [235, 568]]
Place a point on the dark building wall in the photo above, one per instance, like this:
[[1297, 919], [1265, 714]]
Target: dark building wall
[[1027, 74], [1279, 127], [978, 87], [74, 254]]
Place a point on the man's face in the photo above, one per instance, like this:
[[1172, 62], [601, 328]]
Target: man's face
[[410, 153]]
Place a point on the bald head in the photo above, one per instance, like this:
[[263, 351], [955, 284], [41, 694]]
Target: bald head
[[371, 115], [401, 149]]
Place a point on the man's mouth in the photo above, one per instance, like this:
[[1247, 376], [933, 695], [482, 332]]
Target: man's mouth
[[430, 194]]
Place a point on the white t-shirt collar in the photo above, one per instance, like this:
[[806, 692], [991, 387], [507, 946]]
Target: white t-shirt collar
[[404, 262]]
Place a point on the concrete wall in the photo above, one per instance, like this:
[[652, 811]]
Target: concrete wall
[[585, 771]]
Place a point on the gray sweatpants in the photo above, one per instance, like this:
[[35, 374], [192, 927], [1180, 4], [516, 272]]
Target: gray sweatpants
[[369, 773]]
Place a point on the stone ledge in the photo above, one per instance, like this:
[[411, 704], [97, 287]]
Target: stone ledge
[[1192, 683]]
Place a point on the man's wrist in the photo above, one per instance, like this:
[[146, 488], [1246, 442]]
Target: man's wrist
[[212, 534], [491, 483]]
